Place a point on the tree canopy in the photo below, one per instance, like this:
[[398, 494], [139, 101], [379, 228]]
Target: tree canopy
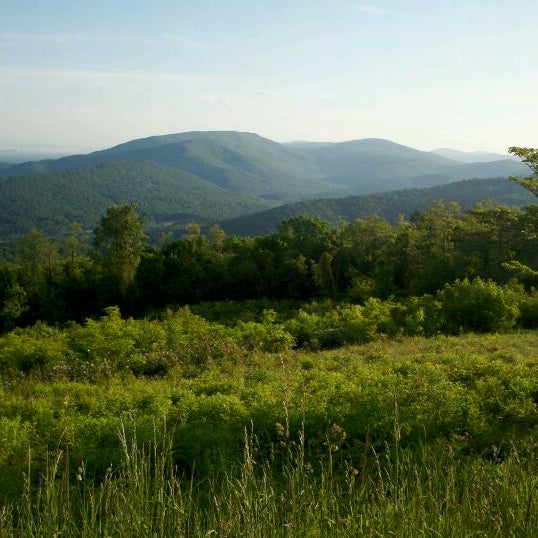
[[530, 157], [119, 241]]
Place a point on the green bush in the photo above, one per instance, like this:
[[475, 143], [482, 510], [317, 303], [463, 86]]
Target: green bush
[[417, 316], [328, 325], [479, 306], [197, 342], [37, 349], [528, 308], [266, 336]]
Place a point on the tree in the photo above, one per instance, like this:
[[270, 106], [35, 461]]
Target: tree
[[194, 238], [308, 236], [217, 237], [363, 261], [72, 246], [36, 255], [118, 242], [530, 157], [12, 297]]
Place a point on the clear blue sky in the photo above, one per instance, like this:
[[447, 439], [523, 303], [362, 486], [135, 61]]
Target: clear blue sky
[[84, 75]]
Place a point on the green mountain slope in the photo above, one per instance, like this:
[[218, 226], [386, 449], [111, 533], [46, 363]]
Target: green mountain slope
[[49, 201], [482, 170], [239, 161], [371, 160], [265, 169], [249, 163], [217, 174], [374, 165], [388, 205], [5, 166]]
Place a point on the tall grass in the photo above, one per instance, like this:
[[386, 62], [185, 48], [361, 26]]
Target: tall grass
[[418, 491]]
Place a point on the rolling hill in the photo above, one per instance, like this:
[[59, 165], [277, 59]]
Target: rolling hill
[[239, 162], [374, 165], [388, 205], [50, 201], [214, 175]]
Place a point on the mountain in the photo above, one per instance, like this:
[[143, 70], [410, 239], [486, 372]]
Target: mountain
[[504, 168], [364, 164], [251, 164], [166, 195], [472, 156], [388, 205], [212, 175], [238, 162], [374, 165], [305, 144], [5, 166]]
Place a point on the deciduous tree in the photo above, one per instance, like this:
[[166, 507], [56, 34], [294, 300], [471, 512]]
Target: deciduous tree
[[530, 157], [118, 242]]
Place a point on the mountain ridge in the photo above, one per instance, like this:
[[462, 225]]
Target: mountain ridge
[[211, 169], [472, 156]]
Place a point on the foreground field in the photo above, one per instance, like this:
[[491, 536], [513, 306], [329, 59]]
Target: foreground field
[[410, 436]]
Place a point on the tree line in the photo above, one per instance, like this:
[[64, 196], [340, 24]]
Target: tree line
[[77, 276]]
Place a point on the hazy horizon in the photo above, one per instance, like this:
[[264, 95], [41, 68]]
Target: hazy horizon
[[83, 76]]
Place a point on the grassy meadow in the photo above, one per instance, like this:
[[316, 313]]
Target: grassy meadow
[[183, 427]]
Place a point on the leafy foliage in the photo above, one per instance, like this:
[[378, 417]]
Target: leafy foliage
[[530, 157], [306, 259], [478, 306], [119, 242], [370, 419]]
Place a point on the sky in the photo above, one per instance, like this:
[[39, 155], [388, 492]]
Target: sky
[[83, 75]]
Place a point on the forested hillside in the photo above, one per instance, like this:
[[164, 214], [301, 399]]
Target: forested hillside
[[50, 201], [238, 161], [374, 165], [388, 205], [471, 156], [210, 176]]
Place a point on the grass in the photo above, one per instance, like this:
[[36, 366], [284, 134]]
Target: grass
[[424, 491], [398, 437]]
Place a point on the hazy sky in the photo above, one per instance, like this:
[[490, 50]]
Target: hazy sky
[[84, 75]]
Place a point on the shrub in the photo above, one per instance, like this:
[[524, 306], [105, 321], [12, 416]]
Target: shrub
[[330, 325], [478, 305], [197, 342], [266, 336], [39, 348], [528, 308], [417, 316]]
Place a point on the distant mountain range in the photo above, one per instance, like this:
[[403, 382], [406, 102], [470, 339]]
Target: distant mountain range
[[210, 176], [472, 156]]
